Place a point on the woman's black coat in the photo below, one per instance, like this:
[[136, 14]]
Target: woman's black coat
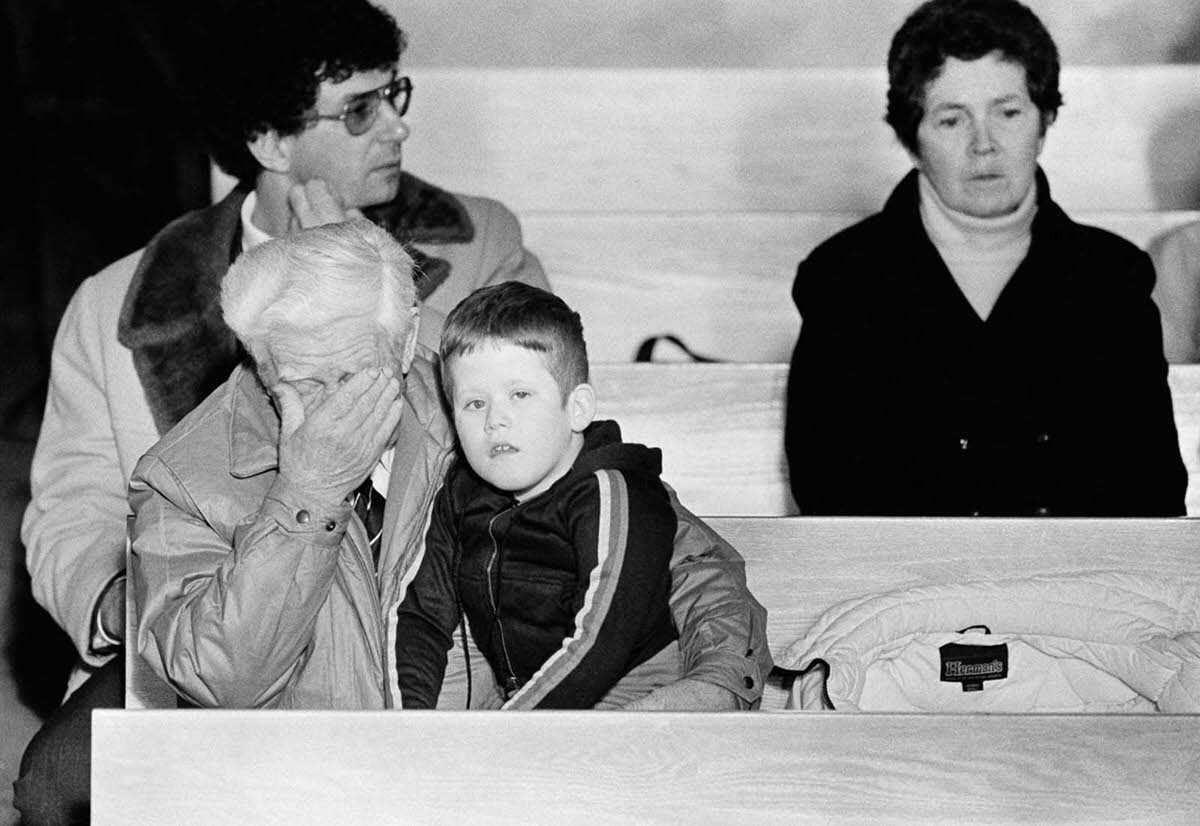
[[901, 400]]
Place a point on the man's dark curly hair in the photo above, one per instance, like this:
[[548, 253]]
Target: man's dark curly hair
[[966, 30], [272, 59]]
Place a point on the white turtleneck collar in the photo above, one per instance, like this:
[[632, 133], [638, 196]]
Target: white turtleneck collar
[[252, 236], [981, 253]]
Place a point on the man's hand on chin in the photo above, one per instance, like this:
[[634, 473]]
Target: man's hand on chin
[[314, 204]]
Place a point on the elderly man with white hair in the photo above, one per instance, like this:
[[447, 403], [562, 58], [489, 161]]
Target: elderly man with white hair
[[258, 582]]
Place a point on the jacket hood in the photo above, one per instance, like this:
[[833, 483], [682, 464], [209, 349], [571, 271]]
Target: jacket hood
[[604, 450]]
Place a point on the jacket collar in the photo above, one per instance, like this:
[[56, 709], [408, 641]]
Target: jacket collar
[[254, 425], [171, 317], [926, 277], [421, 213]]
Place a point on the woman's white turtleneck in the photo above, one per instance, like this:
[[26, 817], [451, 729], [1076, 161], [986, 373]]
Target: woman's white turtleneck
[[981, 253]]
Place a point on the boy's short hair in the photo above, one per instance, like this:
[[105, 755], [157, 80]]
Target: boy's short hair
[[524, 316]]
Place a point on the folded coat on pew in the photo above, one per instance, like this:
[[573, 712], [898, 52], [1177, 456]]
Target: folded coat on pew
[[1095, 642]]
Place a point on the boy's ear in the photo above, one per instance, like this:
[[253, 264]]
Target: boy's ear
[[272, 150], [581, 407]]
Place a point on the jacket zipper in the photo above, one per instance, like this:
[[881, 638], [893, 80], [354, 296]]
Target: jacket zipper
[[417, 538], [510, 682], [368, 569]]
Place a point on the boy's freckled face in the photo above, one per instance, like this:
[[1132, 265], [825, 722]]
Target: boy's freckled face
[[514, 427]]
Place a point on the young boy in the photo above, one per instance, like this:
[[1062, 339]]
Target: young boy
[[553, 537]]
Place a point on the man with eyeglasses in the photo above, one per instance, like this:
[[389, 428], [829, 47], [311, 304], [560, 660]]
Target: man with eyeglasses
[[306, 112], [308, 118]]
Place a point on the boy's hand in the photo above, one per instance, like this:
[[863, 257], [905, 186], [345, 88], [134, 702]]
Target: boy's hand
[[329, 443], [314, 204]]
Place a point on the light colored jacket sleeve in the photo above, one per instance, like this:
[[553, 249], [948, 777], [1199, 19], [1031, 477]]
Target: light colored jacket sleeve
[[496, 254], [74, 526], [228, 620], [1176, 257], [722, 627], [504, 242]]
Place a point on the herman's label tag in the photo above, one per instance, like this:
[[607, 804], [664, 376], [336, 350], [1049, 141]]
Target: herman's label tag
[[971, 665]]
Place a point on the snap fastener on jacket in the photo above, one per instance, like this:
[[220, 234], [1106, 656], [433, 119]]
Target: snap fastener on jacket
[[1042, 511], [330, 524], [302, 517], [1042, 438]]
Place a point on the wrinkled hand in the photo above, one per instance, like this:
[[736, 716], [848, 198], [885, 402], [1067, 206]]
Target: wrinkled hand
[[328, 448], [314, 204]]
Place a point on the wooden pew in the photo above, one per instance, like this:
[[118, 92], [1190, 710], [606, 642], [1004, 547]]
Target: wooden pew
[[720, 427], [798, 567], [681, 201], [671, 200], [717, 141], [722, 283], [203, 767]]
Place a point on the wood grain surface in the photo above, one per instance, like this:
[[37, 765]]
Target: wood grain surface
[[720, 427], [802, 140], [722, 282], [216, 767]]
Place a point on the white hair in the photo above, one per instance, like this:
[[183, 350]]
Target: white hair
[[293, 288]]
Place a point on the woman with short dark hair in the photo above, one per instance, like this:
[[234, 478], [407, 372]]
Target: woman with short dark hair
[[970, 349]]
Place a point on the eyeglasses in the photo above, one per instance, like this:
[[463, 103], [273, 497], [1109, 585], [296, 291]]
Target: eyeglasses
[[360, 113]]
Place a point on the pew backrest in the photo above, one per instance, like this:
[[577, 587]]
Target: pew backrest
[[720, 427], [681, 200], [798, 567]]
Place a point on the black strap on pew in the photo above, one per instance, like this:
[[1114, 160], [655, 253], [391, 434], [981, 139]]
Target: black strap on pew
[[645, 351]]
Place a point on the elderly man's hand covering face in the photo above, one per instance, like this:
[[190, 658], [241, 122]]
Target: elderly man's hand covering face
[[330, 441]]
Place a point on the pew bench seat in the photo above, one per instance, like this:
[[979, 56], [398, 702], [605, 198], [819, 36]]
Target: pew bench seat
[[204, 767], [553, 767]]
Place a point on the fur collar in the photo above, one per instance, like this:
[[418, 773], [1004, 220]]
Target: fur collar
[[171, 318]]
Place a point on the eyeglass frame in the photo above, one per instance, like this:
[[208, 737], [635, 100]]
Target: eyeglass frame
[[403, 85]]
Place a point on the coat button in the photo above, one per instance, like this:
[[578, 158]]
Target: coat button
[[1043, 438], [1042, 511], [330, 524], [302, 517], [748, 682]]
